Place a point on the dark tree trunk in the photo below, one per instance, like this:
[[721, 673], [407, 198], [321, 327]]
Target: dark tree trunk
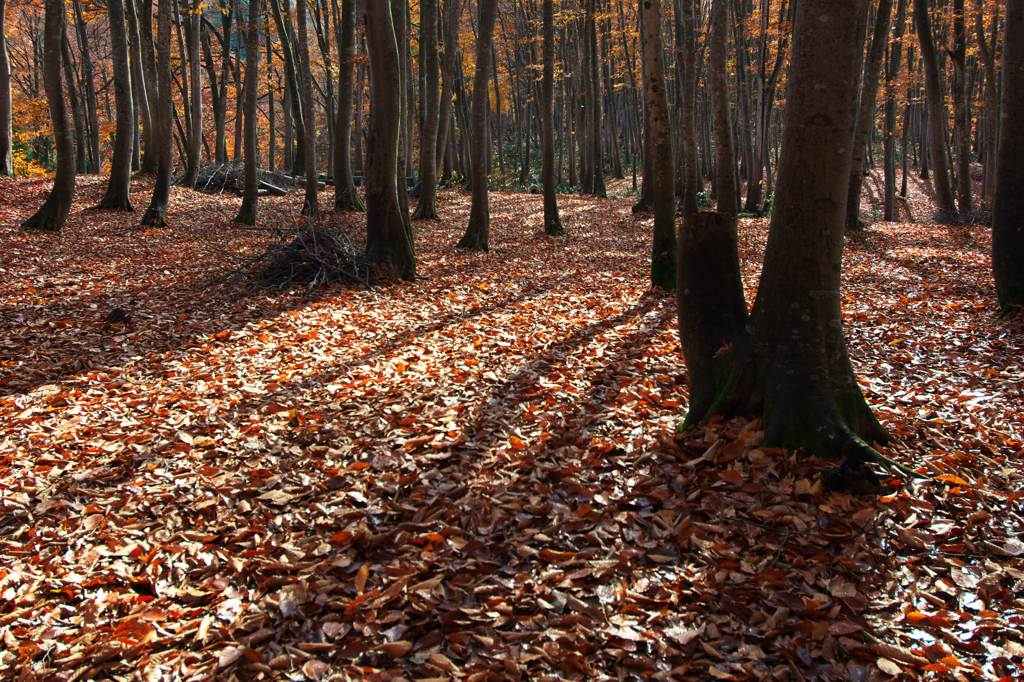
[[659, 147], [426, 208], [446, 124], [310, 205], [961, 119], [892, 73], [345, 196], [594, 108], [991, 105], [88, 89], [140, 100], [789, 364], [195, 99], [156, 214], [866, 112], [54, 211], [150, 151], [478, 230], [688, 122], [936, 112], [6, 134], [1008, 209], [552, 223], [118, 196], [726, 183], [388, 243], [247, 211]]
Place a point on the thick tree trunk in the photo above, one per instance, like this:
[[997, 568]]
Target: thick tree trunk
[[118, 196], [789, 365], [726, 183], [247, 211], [866, 112], [936, 113], [54, 211], [659, 147], [1008, 209], [552, 223], [6, 125], [388, 243], [345, 196], [478, 231], [426, 208], [310, 205], [156, 214]]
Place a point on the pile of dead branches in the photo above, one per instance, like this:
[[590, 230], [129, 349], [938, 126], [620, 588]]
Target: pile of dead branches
[[311, 256], [216, 178]]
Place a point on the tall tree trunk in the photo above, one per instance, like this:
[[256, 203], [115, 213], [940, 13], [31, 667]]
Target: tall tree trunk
[[594, 108], [659, 148], [991, 102], [1008, 210], [552, 223], [54, 211], [891, 75], [936, 112], [426, 209], [81, 146], [88, 89], [688, 122], [789, 365], [6, 125], [140, 101], [156, 214], [195, 99], [479, 227], [345, 196], [961, 119], [150, 151], [310, 206], [866, 112], [247, 211], [118, 196], [388, 243], [446, 124], [726, 183]]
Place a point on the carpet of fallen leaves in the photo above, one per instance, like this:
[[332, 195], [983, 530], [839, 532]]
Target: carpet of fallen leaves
[[475, 475]]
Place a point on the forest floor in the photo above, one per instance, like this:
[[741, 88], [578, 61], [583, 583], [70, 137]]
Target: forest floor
[[476, 475]]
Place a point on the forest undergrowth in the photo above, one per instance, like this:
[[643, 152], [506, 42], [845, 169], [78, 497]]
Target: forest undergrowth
[[476, 475]]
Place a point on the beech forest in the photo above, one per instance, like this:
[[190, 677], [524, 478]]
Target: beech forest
[[519, 340]]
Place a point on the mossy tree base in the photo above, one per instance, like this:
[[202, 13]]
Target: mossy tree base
[[116, 201]]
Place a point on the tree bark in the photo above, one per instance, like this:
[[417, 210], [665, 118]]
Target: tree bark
[[1008, 209], [6, 124], [345, 196], [726, 183], [54, 211], [89, 89], [936, 113], [478, 231], [688, 122], [446, 122], [961, 117], [247, 211], [388, 243], [659, 147], [552, 223], [156, 214], [889, 143], [866, 112], [310, 205], [118, 196], [195, 99], [426, 208], [789, 366]]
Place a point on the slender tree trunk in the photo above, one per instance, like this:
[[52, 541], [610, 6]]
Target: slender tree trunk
[[388, 244], [426, 208], [247, 211], [54, 211], [6, 125], [659, 147], [789, 365], [552, 223], [594, 108], [991, 102], [118, 196], [81, 146], [892, 74], [88, 89], [866, 112], [961, 120], [936, 112], [1008, 209], [156, 214], [195, 133], [691, 169], [478, 231], [310, 206], [345, 196], [446, 122], [726, 183]]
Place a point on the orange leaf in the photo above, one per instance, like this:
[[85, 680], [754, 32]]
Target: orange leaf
[[954, 480]]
